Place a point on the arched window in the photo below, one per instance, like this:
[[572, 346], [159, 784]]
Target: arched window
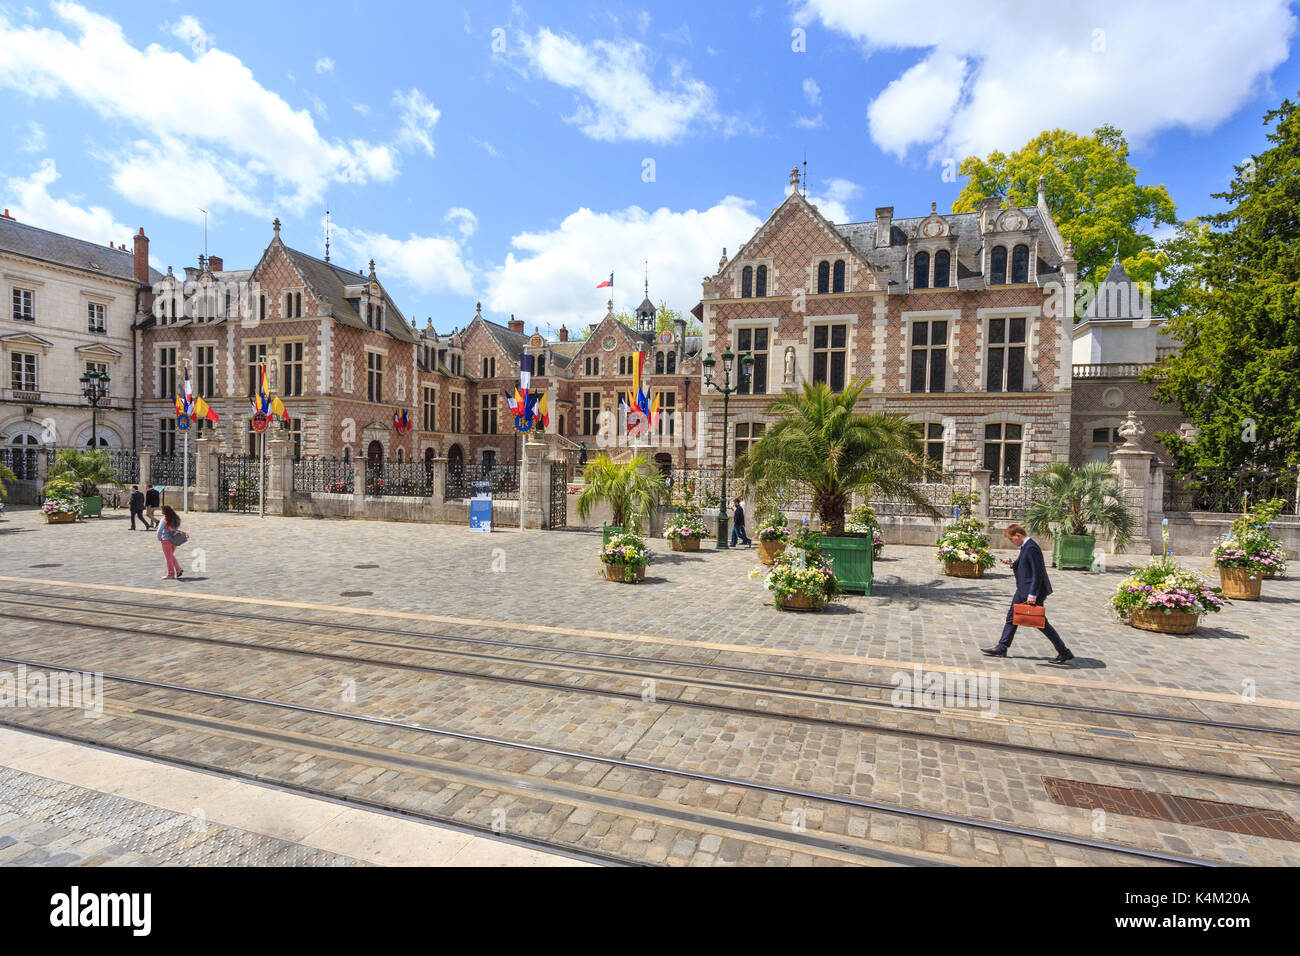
[[921, 270], [672, 362], [288, 304], [297, 304], [659, 363], [760, 283], [746, 282], [941, 263], [1020, 264], [837, 285], [823, 277], [998, 266]]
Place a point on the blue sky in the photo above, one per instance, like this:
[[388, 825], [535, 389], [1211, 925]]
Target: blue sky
[[516, 153]]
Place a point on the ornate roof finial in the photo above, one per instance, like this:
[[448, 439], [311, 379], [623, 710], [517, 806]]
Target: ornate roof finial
[[372, 268], [1116, 252], [794, 177], [722, 263], [276, 225], [478, 308], [934, 207]]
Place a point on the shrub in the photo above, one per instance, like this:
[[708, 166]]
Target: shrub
[[802, 568], [966, 539]]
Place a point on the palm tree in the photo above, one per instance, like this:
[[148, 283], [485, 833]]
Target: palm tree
[[823, 448], [628, 489], [1075, 499], [87, 469]]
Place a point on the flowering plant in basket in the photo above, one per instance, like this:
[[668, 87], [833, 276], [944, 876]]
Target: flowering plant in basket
[[863, 521], [686, 524], [801, 568], [628, 551]]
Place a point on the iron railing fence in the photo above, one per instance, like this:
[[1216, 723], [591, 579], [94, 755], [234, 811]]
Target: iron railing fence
[[501, 481], [21, 461], [937, 493], [387, 478], [1009, 502], [171, 470], [1225, 491], [323, 475]]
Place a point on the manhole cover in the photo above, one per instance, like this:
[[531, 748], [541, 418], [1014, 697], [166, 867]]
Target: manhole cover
[[362, 567], [47, 565], [355, 593], [1174, 808]]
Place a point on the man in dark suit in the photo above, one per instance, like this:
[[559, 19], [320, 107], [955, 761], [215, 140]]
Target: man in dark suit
[[151, 501], [1032, 587], [137, 507]]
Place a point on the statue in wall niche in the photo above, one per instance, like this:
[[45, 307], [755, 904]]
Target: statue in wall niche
[[401, 384], [789, 365], [1131, 430]]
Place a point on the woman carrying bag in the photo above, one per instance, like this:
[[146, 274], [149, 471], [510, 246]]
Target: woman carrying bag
[[171, 536]]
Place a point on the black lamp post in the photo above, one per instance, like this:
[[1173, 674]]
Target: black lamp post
[[727, 390], [94, 386]]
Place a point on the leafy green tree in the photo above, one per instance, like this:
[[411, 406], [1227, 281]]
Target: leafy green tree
[[1235, 376], [665, 316], [1092, 191], [821, 447], [7, 478]]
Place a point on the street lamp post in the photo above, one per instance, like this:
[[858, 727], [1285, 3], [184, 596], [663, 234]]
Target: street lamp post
[[94, 386], [727, 390]]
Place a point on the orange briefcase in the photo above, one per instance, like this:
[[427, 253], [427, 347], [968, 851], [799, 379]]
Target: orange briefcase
[[1028, 615]]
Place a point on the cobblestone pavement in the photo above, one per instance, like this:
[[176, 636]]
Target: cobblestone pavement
[[542, 589]]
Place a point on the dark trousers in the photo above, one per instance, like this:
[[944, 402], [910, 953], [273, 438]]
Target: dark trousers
[[1009, 631], [738, 530], [140, 515]]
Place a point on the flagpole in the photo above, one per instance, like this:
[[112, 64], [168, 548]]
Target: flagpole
[[185, 474], [261, 474], [523, 440]]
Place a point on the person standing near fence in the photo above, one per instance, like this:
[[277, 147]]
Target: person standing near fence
[[167, 528], [151, 501]]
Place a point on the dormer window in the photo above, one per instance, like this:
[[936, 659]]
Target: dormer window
[[823, 277], [837, 283], [921, 270], [942, 261], [541, 365], [760, 282], [1020, 264], [747, 282], [998, 266]]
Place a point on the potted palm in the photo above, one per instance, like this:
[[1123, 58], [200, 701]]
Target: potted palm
[[1073, 505], [685, 529], [821, 447], [87, 470], [964, 544], [629, 489], [773, 534]]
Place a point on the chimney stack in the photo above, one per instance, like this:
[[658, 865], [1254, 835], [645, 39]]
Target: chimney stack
[[216, 264], [564, 334], [884, 225], [515, 325], [9, 217], [141, 257]]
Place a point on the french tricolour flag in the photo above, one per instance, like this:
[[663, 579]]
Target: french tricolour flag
[[607, 285]]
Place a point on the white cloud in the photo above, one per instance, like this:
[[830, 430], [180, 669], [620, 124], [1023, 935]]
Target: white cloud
[[832, 200], [189, 29], [362, 108], [29, 201], [209, 105], [36, 138], [617, 99], [465, 221], [180, 180], [996, 80], [812, 92], [432, 264], [486, 147], [808, 122], [550, 277], [325, 65], [418, 116]]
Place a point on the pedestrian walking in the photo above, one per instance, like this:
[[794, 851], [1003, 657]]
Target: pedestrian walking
[[168, 529], [151, 502], [738, 524], [1032, 587], [137, 507]]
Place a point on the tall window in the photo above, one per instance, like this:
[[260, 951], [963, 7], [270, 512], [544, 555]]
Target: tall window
[[921, 270], [292, 305], [747, 282], [541, 365], [929, 356], [934, 443], [625, 365], [256, 359], [998, 266], [291, 380], [667, 411], [261, 308], [823, 277], [95, 317], [837, 283], [1020, 264], [746, 434], [754, 341], [295, 436], [830, 351], [374, 377], [166, 372], [96, 368], [1002, 444], [23, 457], [659, 363], [591, 365], [1006, 364], [942, 261], [205, 370], [590, 413], [1104, 441], [456, 400], [22, 372], [489, 366], [760, 282], [430, 409], [167, 435], [24, 305], [489, 403], [672, 362]]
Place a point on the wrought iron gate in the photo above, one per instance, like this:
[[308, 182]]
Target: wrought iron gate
[[237, 483], [559, 495]]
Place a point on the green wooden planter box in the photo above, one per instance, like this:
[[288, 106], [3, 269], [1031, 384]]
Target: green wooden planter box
[[92, 507], [850, 558], [1073, 550], [608, 531]]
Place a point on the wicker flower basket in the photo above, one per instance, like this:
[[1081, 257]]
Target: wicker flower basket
[[614, 572], [1238, 585], [798, 602], [963, 569], [685, 544], [63, 517], [768, 550], [1175, 622]]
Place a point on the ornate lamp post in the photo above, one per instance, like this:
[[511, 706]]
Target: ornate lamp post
[[727, 390], [94, 387]]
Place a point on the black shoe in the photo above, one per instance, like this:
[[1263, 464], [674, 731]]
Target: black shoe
[[1062, 659], [180, 573], [993, 652]]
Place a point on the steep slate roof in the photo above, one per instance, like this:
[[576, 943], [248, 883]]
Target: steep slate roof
[[330, 283], [99, 258], [512, 343]]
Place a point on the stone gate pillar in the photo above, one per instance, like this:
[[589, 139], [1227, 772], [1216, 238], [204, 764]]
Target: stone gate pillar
[[279, 477], [534, 486], [205, 475], [1133, 467], [981, 483]]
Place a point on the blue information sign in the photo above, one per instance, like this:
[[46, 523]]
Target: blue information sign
[[480, 513]]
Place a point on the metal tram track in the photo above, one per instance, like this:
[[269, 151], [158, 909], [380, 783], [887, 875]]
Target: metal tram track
[[1004, 746], [1027, 833], [729, 668]]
